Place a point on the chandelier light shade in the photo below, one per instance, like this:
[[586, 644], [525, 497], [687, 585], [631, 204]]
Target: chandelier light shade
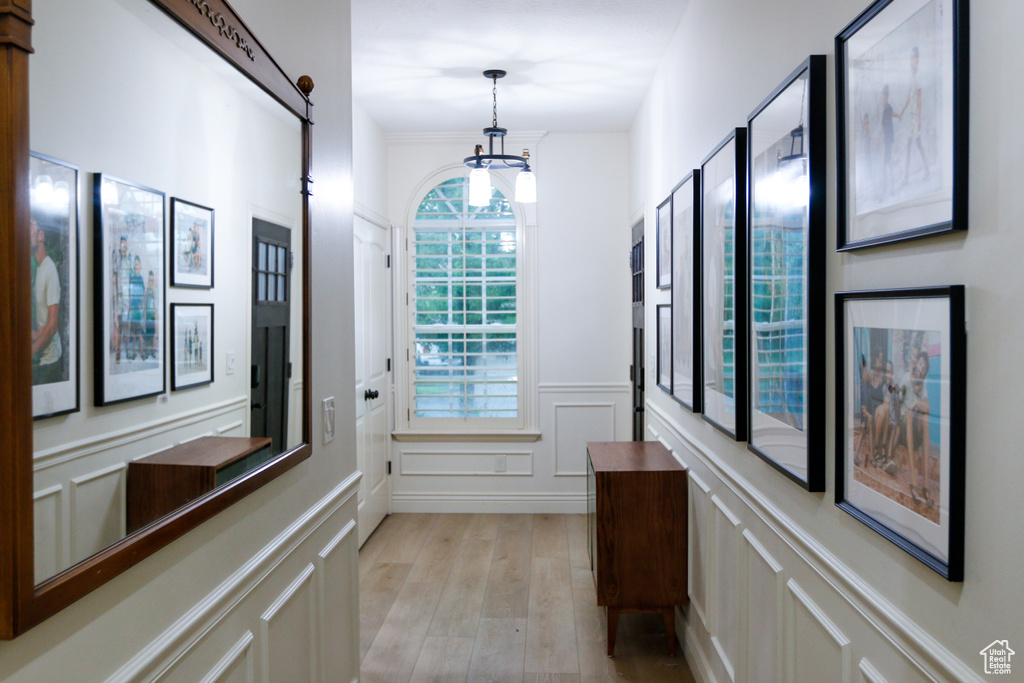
[[480, 163]]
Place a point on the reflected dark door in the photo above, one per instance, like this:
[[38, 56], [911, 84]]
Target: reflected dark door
[[636, 369], [271, 315]]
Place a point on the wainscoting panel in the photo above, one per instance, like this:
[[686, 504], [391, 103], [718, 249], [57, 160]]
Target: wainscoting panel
[[289, 631], [816, 649], [728, 596], [464, 463], [700, 552], [98, 516], [48, 516], [542, 475], [575, 425], [88, 513], [764, 589], [337, 566], [793, 612], [236, 666], [298, 595]]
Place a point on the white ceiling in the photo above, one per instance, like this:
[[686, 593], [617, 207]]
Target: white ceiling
[[573, 65]]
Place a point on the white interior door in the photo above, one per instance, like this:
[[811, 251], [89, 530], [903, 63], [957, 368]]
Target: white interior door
[[373, 376]]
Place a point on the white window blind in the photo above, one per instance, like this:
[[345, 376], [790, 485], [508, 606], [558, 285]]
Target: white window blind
[[464, 307]]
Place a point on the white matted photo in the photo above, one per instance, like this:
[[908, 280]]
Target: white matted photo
[[192, 249], [901, 423], [901, 98], [192, 345]]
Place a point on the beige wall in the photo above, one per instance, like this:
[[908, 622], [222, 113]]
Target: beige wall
[[809, 574]]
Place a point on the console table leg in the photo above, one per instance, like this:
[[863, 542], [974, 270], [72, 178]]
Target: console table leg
[[613, 627], [669, 615]]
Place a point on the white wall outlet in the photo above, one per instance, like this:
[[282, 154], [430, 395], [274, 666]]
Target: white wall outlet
[[229, 364], [328, 419], [499, 463]]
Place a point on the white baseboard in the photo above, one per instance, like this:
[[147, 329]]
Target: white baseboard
[[537, 503]]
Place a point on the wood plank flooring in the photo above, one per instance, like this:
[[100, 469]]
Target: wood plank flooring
[[495, 599]]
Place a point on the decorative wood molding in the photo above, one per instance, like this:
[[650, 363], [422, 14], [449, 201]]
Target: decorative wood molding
[[16, 544], [219, 26]]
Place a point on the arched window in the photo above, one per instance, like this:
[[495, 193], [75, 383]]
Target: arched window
[[464, 307]]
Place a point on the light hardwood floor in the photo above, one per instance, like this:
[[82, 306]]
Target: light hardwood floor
[[495, 598]]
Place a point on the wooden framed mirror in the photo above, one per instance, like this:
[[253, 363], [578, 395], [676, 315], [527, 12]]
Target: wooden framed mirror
[[166, 323]]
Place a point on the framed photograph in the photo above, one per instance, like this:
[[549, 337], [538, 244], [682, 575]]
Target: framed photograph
[[664, 364], [191, 345], [901, 112], [723, 320], [901, 371], [665, 244], [786, 238], [192, 255], [130, 284], [53, 191], [686, 291]]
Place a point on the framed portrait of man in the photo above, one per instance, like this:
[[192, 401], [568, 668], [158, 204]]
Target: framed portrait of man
[[53, 187]]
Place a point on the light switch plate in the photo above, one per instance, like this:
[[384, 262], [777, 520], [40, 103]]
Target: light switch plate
[[229, 365], [328, 419], [499, 463]]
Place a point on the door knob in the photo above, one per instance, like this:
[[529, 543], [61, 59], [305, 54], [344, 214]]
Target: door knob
[[257, 406]]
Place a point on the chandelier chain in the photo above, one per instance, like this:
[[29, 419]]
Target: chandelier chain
[[494, 94]]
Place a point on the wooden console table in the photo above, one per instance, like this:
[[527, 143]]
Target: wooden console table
[[161, 483], [636, 515]]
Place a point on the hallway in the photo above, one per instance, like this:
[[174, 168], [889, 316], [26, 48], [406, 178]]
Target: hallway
[[495, 597]]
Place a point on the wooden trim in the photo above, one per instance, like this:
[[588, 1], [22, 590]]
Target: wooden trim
[[22, 603], [218, 25], [16, 547]]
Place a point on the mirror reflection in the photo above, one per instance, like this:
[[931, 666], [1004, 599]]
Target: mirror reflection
[[167, 292]]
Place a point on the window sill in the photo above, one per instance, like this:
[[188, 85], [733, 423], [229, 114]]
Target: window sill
[[434, 436]]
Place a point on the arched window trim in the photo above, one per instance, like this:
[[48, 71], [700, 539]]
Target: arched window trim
[[525, 426]]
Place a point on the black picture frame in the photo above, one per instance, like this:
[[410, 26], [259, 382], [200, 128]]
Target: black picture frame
[[909, 398], [192, 242], [915, 51], [723, 272], [663, 224], [686, 292], [786, 231], [192, 345], [663, 341], [55, 207], [132, 214]]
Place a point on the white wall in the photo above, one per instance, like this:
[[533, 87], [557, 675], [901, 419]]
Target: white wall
[[269, 583], [370, 164], [781, 576], [581, 310]]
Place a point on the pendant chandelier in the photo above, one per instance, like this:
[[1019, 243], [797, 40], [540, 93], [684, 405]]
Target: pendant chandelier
[[480, 163]]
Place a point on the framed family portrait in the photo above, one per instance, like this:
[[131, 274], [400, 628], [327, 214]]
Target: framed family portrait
[[900, 407], [686, 291], [786, 237], [191, 345], [723, 238], [130, 254], [664, 361], [901, 112], [53, 193], [664, 235], [192, 256]]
